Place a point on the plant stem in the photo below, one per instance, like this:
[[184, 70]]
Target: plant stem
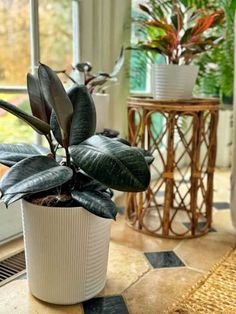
[[49, 139], [67, 157]]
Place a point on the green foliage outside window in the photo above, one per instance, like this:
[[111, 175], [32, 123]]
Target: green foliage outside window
[[13, 130], [216, 76]]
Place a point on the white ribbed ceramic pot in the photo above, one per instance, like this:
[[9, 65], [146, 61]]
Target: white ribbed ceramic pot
[[66, 252], [171, 82], [102, 105]]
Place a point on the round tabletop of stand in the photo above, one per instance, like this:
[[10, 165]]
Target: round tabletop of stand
[[193, 104], [181, 135]]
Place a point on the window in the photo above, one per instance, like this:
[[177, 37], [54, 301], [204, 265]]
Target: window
[[139, 70], [31, 31]]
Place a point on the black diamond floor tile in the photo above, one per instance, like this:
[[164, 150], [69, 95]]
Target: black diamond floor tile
[[106, 305], [164, 259], [201, 225], [221, 205]]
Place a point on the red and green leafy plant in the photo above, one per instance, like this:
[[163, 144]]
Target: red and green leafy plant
[[176, 31]]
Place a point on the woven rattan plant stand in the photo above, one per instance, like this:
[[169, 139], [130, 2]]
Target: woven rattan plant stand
[[181, 135]]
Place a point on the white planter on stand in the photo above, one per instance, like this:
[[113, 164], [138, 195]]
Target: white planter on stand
[[169, 81], [102, 105], [66, 252]]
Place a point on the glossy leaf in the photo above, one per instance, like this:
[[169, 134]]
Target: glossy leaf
[[12, 153], [147, 156], [9, 199], [38, 125], [56, 128], [121, 140], [112, 163], [118, 64], [7, 163], [86, 183], [34, 174], [83, 123], [96, 202], [55, 95], [39, 107]]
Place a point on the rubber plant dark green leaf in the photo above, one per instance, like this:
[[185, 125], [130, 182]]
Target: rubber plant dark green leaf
[[55, 95], [39, 126], [12, 153], [96, 202], [86, 169], [9, 199], [7, 163], [39, 106], [56, 128], [34, 174], [112, 163], [85, 183], [147, 155], [121, 140], [83, 123]]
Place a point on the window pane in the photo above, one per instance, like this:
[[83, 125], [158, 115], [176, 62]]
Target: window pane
[[14, 38], [56, 33], [138, 68], [12, 129]]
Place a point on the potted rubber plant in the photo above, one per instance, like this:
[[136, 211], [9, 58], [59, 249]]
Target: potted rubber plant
[[65, 189], [97, 84], [179, 33]]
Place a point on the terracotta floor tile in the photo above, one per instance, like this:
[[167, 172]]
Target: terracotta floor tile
[[201, 253], [123, 234], [159, 289], [125, 266], [222, 222], [15, 299]]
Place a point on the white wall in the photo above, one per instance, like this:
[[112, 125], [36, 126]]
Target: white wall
[[233, 175], [104, 29]]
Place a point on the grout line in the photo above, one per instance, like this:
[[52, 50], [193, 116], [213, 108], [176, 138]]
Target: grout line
[[197, 269], [177, 246], [137, 280]]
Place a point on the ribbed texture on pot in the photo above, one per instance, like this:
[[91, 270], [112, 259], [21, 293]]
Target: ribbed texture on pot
[[102, 106], [66, 252], [171, 82]]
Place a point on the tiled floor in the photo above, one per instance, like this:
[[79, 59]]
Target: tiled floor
[[145, 274]]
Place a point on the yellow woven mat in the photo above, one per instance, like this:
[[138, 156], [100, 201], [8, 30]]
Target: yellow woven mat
[[213, 294]]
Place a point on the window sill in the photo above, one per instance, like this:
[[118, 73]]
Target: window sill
[[12, 247]]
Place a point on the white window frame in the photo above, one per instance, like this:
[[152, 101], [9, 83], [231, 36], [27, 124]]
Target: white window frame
[[35, 47]]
